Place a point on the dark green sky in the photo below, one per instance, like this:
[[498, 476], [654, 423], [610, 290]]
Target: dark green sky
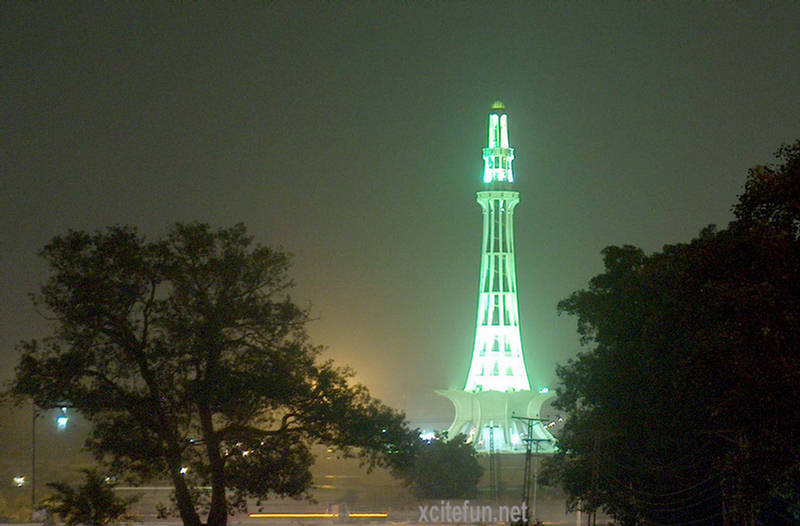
[[351, 134]]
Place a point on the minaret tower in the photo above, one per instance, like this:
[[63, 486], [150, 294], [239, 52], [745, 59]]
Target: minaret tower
[[497, 387], [497, 362]]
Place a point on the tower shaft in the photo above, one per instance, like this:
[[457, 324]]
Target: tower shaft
[[497, 362]]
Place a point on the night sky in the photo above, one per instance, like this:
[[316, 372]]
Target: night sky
[[351, 135]]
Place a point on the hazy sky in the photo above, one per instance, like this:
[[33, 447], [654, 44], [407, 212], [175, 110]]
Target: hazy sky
[[351, 134]]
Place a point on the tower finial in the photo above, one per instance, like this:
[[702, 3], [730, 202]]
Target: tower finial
[[498, 154]]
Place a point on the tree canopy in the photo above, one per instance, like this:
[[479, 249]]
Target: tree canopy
[[445, 469], [685, 407], [191, 362], [92, 503]]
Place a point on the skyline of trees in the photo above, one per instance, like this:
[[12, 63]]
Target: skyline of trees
[[684, 406], [191, 362]]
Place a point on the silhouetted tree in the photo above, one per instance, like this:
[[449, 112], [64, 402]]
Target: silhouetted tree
[[191, 362], [686, 407], [93, 503], [445, 469]]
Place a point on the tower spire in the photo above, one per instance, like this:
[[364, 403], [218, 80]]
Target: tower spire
[[498, 155]]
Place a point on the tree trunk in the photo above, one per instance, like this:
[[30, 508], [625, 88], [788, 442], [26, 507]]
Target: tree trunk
[[183, 499], [218, 512]]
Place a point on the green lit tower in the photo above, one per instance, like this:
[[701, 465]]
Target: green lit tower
[[497, 386], [497, 363]]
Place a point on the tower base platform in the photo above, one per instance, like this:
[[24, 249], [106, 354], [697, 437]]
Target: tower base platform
[[485, 417]]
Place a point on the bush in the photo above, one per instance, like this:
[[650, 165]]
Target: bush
[[445, 469], [93, 503]]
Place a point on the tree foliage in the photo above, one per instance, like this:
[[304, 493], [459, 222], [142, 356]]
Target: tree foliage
[[191, 362], [445, 469], [93, 503], [685, 407]]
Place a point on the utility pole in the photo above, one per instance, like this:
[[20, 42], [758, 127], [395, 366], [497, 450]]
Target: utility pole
[[492, 468], [34, 415], [526, 482], [495, 479]]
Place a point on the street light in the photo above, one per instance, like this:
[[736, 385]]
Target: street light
[[19, 480], [62, 420], [61, 424]]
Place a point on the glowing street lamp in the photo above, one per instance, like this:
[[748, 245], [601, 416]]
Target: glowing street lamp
[[61, 424], [19, 481], [62, 420]]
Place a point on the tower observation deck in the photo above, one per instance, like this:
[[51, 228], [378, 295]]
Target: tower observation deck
[[497, 386]]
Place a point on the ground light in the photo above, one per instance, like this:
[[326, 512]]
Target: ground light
[[427, 436], [311, 515]]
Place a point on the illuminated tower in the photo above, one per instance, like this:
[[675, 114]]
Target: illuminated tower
[[497, 386], [497, 363]]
